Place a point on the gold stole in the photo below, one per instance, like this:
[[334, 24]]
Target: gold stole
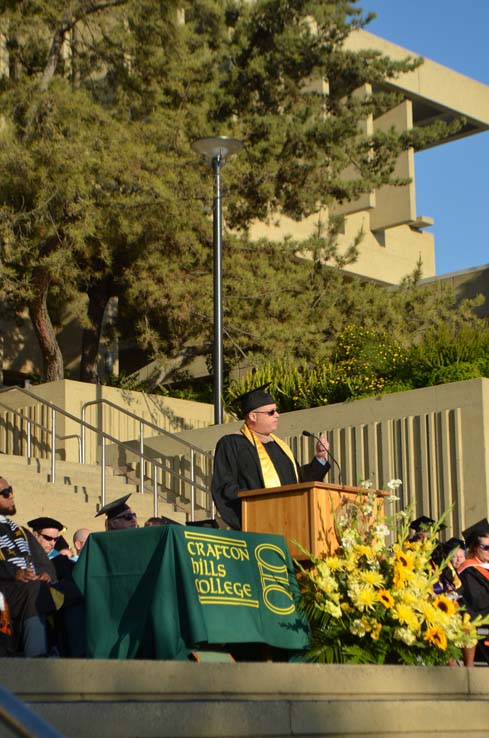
[[269, 473]]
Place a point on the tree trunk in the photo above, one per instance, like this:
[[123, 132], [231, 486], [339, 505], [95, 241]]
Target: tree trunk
[[52, 358], [98, 296]]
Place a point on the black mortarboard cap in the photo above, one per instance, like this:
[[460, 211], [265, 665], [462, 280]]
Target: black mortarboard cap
[[41, 523], [61, 543], [114, 508], [254, 398], [452, 544], [481, 528], [207, 523], [424, 523]]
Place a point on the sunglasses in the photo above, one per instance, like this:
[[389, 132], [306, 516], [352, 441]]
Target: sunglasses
[[6, 492], [267, 412], [48, 538], [484, 546], [125, 516]]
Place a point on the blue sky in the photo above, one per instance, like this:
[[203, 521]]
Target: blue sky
[[455, 34]]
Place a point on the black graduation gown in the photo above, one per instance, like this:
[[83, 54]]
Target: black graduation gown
[[475, 591], [237, 469]]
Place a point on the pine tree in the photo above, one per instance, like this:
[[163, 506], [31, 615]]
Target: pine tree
[[102, 196]]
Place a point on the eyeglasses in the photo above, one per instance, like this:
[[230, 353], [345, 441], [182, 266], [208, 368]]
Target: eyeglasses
[[267, 412], [6, 492], [47, 538], [125, 516], [484, 546]]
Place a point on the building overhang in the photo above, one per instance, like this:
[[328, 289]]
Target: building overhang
[[437, 93]]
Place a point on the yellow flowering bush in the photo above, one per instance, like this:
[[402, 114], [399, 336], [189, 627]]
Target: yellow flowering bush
[[375, 603]]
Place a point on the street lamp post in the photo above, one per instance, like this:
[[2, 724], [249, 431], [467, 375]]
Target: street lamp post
[[216, 149]]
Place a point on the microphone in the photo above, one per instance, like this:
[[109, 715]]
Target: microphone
[[308, 434]]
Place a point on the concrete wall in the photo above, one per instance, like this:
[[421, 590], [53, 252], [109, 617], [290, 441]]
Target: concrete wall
[[168, 413], [166, 699]]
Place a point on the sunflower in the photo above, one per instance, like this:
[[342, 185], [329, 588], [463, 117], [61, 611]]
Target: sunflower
[[385, 597], [437, 637], [445, 604]]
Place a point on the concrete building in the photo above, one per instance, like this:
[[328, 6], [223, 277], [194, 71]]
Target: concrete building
[[396, 235]]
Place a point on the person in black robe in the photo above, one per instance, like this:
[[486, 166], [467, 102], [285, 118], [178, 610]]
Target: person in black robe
[[474, 575], [255, 458], [25, 575]]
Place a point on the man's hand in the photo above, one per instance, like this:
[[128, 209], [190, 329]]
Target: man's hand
[[44, 577], [322, 448], [26, 575]]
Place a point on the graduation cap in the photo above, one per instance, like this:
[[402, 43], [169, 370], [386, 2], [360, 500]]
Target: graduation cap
[[481, 528], [424, 523], [254, 398], [61, 544], [38, 524], [452, 544], [207, 523], [114, 508], [160, 520]]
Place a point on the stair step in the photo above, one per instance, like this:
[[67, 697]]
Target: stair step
[[75, 496], [163, 699]]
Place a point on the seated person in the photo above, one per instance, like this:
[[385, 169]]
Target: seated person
[[25, 577], [423, 527], [119, 516], [47, 532], [474, 575], [69, 622], [255, 457], [453, 554], [79, 539]]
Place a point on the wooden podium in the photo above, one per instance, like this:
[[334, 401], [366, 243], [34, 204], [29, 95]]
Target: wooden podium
[[303, 512]]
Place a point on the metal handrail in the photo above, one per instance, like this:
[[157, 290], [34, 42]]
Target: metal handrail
[[104, 436], [21, 720], [45, 428], [142, 424]]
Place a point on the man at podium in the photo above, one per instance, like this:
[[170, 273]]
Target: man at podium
[[255, 457]]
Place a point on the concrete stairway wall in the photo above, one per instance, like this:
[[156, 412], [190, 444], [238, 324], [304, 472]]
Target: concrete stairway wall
[[162, 699], [75, 496]]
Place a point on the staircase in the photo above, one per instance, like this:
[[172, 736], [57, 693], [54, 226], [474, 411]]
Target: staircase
[[74, 498], [164, 699]]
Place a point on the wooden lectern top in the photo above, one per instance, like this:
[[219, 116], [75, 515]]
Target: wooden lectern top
[[303, 513]]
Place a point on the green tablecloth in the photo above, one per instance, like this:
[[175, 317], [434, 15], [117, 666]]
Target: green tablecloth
[[158, 592]]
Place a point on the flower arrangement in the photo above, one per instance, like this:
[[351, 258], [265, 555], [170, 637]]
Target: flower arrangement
[[375, 603]]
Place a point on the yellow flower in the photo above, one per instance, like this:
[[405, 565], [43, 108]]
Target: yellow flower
[[406, 616], [437, 637], [405, 558], [429, 613], [374, 578], [327, 584], [405, 635], [364, 598], [333, 563], [385, 597], [375, 634], [332, 609], [362, 550], [446, 605]]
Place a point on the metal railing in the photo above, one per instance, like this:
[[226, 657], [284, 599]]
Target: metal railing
[[104, 438], [21, 720], [192, 448], [33, 423]]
